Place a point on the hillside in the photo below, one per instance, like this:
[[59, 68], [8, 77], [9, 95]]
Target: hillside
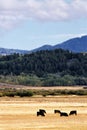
[[42, 62], [78, 44], [74, 45]]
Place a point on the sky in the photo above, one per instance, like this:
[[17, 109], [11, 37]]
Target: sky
[[29, 24]]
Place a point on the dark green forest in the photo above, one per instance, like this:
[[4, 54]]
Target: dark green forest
[[45, 68]]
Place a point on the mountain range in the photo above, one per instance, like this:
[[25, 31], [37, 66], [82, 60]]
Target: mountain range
[[78, 44]]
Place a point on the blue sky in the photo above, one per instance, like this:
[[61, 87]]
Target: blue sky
[[28, 24]]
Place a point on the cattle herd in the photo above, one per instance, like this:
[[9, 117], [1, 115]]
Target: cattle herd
[[42, 112]]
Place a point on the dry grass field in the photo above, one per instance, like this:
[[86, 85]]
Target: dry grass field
[[20, 113]]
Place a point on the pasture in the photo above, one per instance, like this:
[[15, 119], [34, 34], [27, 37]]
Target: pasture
[[20, 113]]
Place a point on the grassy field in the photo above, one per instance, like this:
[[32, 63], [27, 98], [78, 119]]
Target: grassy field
[[20, 113]]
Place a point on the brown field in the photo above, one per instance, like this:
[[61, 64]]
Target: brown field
[[20, 113]]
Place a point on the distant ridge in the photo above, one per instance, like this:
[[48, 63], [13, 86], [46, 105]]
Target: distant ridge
[[5, 51], [78, 44]]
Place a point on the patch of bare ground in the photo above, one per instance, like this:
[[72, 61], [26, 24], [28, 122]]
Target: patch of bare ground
[[4, 85], [20, 113]]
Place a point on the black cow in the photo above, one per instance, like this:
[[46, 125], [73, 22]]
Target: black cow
[[63, 114], [74, 112], [56, 111], [42, 110], [39, 113]]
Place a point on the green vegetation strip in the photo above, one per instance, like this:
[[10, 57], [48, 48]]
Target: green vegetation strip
[[46, 80], [28, 93]]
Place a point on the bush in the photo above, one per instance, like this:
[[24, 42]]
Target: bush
[[24, 93], [10, 94]]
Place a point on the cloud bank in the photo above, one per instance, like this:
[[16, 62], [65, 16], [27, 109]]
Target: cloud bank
[[12, 12]]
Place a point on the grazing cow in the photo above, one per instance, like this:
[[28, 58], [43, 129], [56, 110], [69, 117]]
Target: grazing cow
[[42, 110], [74, 112], [63, 114], [56, 111], [39, 113]]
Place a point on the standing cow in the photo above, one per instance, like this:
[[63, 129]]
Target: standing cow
[[73, 112], [63, 114], [56, 111], [41, 112]]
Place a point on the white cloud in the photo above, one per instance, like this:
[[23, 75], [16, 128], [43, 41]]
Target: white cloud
[[13, 12], [79, 8]]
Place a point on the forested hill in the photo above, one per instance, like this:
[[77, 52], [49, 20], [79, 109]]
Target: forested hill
[[45, 62]]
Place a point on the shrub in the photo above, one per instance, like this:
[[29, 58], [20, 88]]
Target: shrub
[[25, 93]]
